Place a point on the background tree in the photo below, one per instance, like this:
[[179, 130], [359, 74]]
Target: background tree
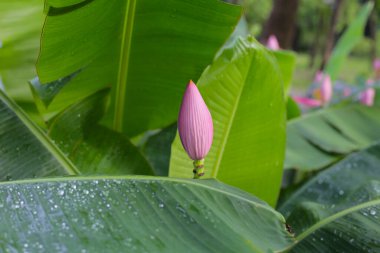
[[281, 22]]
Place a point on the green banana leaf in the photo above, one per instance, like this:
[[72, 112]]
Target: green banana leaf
[[353, 35], [339, 210], [93, 148], [157, 149], [319, 139], [20, 28], [292, 109], [243, 90], [287, 63], [147, 50], [136, 214], [20, 25], [25, 150]]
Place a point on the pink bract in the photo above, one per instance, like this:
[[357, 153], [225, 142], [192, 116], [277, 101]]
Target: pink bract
[[326, 89], [318, 76], [309, 102], [367, 97], [195, 125], [272, 43], [376, 64]]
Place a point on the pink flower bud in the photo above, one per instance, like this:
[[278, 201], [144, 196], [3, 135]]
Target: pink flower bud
[[367, 97], [195, 125], [326, 89], [308, 102], [318, 76], [272, 43], [376, 64]]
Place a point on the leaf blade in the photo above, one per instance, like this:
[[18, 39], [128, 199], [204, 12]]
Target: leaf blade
[[182, 209], [181, 35], [324, 137], [340, 205], [93, 148], [24, 144]]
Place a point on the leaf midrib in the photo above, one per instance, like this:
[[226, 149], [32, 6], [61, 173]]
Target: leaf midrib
[[215, 170], [135, 177], [41, 136], [331, 218], [122, 76]]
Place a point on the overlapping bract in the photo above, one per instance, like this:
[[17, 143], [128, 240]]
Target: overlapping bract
[[195, 125]]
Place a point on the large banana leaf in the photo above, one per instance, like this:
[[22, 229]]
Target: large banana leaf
[[95, 149], [146, 49], [339, 210], [243, 90], [136, 214], [25, 150], [318, 139], [353, 35], [20, 26]]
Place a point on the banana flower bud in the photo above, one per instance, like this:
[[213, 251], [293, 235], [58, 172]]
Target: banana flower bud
[[195, 127]]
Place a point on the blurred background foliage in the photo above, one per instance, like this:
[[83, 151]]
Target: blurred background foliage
[[313, 20]]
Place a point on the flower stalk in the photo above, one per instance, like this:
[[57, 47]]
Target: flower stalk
[[199, 169]]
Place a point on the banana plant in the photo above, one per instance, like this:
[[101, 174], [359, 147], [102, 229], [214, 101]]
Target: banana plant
[[243, 89], [71, 185], [114, 213], [144, 213], [338, 210], [145, 50], [319, 139]]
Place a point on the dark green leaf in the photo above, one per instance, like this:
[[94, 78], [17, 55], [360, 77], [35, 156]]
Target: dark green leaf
[[95, 149], [141, 214], [25, 150], [147, 50], [339, 210], [46, 92], [157, 149]]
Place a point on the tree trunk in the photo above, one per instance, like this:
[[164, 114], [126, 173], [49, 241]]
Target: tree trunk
[[281, 22], [331, 34]]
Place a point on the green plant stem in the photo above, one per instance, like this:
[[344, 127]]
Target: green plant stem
[[199, 169]]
